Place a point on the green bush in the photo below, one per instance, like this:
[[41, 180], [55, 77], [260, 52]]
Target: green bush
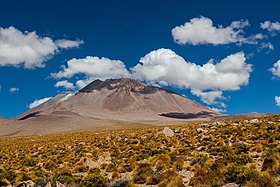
[[241, 159], [65, 179], [240, 174], [261, 181], [94, 180], [142, 172]]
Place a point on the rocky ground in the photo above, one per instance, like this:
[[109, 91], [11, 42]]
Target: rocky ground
[[222, 153]]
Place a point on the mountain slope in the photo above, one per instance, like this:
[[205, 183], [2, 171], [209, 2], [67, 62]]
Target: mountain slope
[[111, 104]]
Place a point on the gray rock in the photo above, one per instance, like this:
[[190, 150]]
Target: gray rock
[[28, 183], [168, 132], [231, 185], [59, 184], [201, 130], [89, 163], [48, 184]]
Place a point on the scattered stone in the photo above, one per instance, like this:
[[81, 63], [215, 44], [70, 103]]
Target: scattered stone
[[252, 121], [219, 123], [234, 124], [199, 148], [89, 163], [59, 184], [187, 175], [28, 183], [177, 130], [205, 125], [230, 185], [201, 130], [88, 154], [48, 184], [82, 143], [168, 132], [206, 138]]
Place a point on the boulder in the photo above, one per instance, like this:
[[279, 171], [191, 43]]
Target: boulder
[[168, 132]]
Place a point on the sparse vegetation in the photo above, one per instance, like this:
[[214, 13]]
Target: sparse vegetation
[[208, 154]]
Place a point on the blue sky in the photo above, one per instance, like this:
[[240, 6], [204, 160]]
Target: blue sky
[[70, 43]]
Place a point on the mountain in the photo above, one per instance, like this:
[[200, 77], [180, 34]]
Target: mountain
[[111, 104], [46, 105]]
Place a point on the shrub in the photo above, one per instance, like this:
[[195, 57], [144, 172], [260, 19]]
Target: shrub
[[154, 179], [204, 177], [261, 181], [142, 172], [95, 180], [65, 179], [240, 174], [110, 167], [239, 159], [179, 164]]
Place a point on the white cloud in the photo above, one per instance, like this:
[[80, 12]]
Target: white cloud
[[267, 45], [66, 44], [13, 90], [276, 69], [26, 48], [38, 102], [277, 100], [270, 26], [93, 68], [210, 97], [82, 83], [201, 30], [165, 67], [219, 110], [65, 84]]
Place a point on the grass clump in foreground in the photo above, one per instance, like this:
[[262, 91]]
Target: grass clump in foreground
[[203, 154]]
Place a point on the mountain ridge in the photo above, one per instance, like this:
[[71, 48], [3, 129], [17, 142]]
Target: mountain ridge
[[103, 104]]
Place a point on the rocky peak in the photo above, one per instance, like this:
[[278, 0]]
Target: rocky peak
[[122, 84]]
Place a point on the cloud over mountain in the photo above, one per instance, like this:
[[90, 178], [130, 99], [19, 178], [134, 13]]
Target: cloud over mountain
[[67, 85], [91, 66], [28, 48], [38, 102], [165, 67]]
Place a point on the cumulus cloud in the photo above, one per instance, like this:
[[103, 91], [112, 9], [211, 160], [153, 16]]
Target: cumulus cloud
[[13, 90], [277, 100], [270, 26], [276, 69], [165, 67], [28, 48], [66, 44], [201, 30], [82, 83], [219, 110], [92, 68], [210, 97], [65, 84], [37, 102]]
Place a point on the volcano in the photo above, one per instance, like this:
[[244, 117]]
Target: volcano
[[111, 104]]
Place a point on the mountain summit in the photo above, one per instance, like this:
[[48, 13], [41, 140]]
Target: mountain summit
[[111, 104]]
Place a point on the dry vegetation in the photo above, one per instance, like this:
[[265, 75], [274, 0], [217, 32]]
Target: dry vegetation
[[240, 152]]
